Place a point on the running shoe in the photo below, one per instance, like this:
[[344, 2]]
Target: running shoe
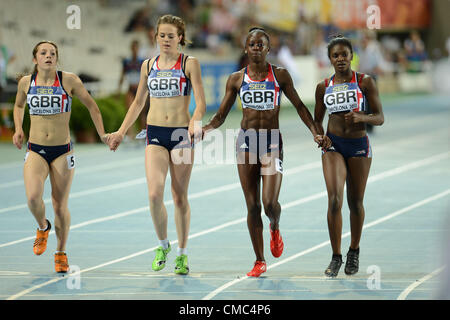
[[40, 243], [181, 265], [276, 243], [61, 263], [334, 266], [352, 263], [259, 268], [160, 259]]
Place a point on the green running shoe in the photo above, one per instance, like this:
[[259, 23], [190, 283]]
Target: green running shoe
[[181, 265], [160, 259]]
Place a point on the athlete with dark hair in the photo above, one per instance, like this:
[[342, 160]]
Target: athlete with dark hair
[[346, 96], [259, 143]]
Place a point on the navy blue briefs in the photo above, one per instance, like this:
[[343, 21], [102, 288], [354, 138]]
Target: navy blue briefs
[[350, 147], [50, 153], [260, 142], [168, 137]]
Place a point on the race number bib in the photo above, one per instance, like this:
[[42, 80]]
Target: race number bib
[[71, 161]]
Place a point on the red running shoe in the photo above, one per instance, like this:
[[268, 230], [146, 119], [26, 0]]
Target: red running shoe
[[259, 268], [276, 243]]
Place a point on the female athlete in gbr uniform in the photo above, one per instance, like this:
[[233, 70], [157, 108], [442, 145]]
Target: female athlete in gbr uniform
[[168, 79], [48, 93], [259, 144], [346, 96]]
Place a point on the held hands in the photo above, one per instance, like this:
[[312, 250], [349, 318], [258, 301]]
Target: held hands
[[323, 141], [113, 140], [205, 130], [195, 132], [105, 138]]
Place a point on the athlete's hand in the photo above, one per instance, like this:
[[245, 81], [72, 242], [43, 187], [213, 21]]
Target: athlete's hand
[[105, 138], [114, 140], [353, 117], [205, 130], [18, 139], [323, 141], [195, 131]]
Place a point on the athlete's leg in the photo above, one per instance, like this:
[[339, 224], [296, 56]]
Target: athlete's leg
[[358, 173], [35, 171], [335, 173], [249, 175], [180, 173], [156, 167], [61, 176], [271, 177]]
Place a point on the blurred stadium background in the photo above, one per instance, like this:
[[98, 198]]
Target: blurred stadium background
[[408, 51]]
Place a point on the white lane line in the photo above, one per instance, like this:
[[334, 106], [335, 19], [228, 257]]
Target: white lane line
[[215, 292], [200, 167], [224, 225], [295, 170], [417, 283]]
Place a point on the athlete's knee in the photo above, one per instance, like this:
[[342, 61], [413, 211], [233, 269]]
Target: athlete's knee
[[334, 204], [35, 201], [270, 206], [180, 201], [254, 209], [356, 206], [156, 196], [59, 207]]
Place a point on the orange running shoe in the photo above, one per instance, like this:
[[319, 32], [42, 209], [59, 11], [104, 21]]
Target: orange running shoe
[[276, 243], [259, 268], [40, 244], [61, 263]]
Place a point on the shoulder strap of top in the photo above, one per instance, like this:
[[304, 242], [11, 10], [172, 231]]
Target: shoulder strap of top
[[33, 79], [60, 77], [359, 77], [183, 62]]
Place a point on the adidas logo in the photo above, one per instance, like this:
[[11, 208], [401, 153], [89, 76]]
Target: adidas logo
[[244, 146], [361, 152], [42, 151], [154, 140]]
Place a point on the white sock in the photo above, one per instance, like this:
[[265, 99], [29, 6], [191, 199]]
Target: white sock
[[46, 226], [164, 243], [181, 251]]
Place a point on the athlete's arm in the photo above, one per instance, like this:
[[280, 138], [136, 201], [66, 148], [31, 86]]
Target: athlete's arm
[[319, 108], [228, 100], [135, 109], [81, 93], [319, 113], [370, 90], [194, 73], [287, 85], [19, 110]]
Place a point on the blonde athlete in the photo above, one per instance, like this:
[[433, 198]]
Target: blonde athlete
[[168, 79], [48, 93]]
